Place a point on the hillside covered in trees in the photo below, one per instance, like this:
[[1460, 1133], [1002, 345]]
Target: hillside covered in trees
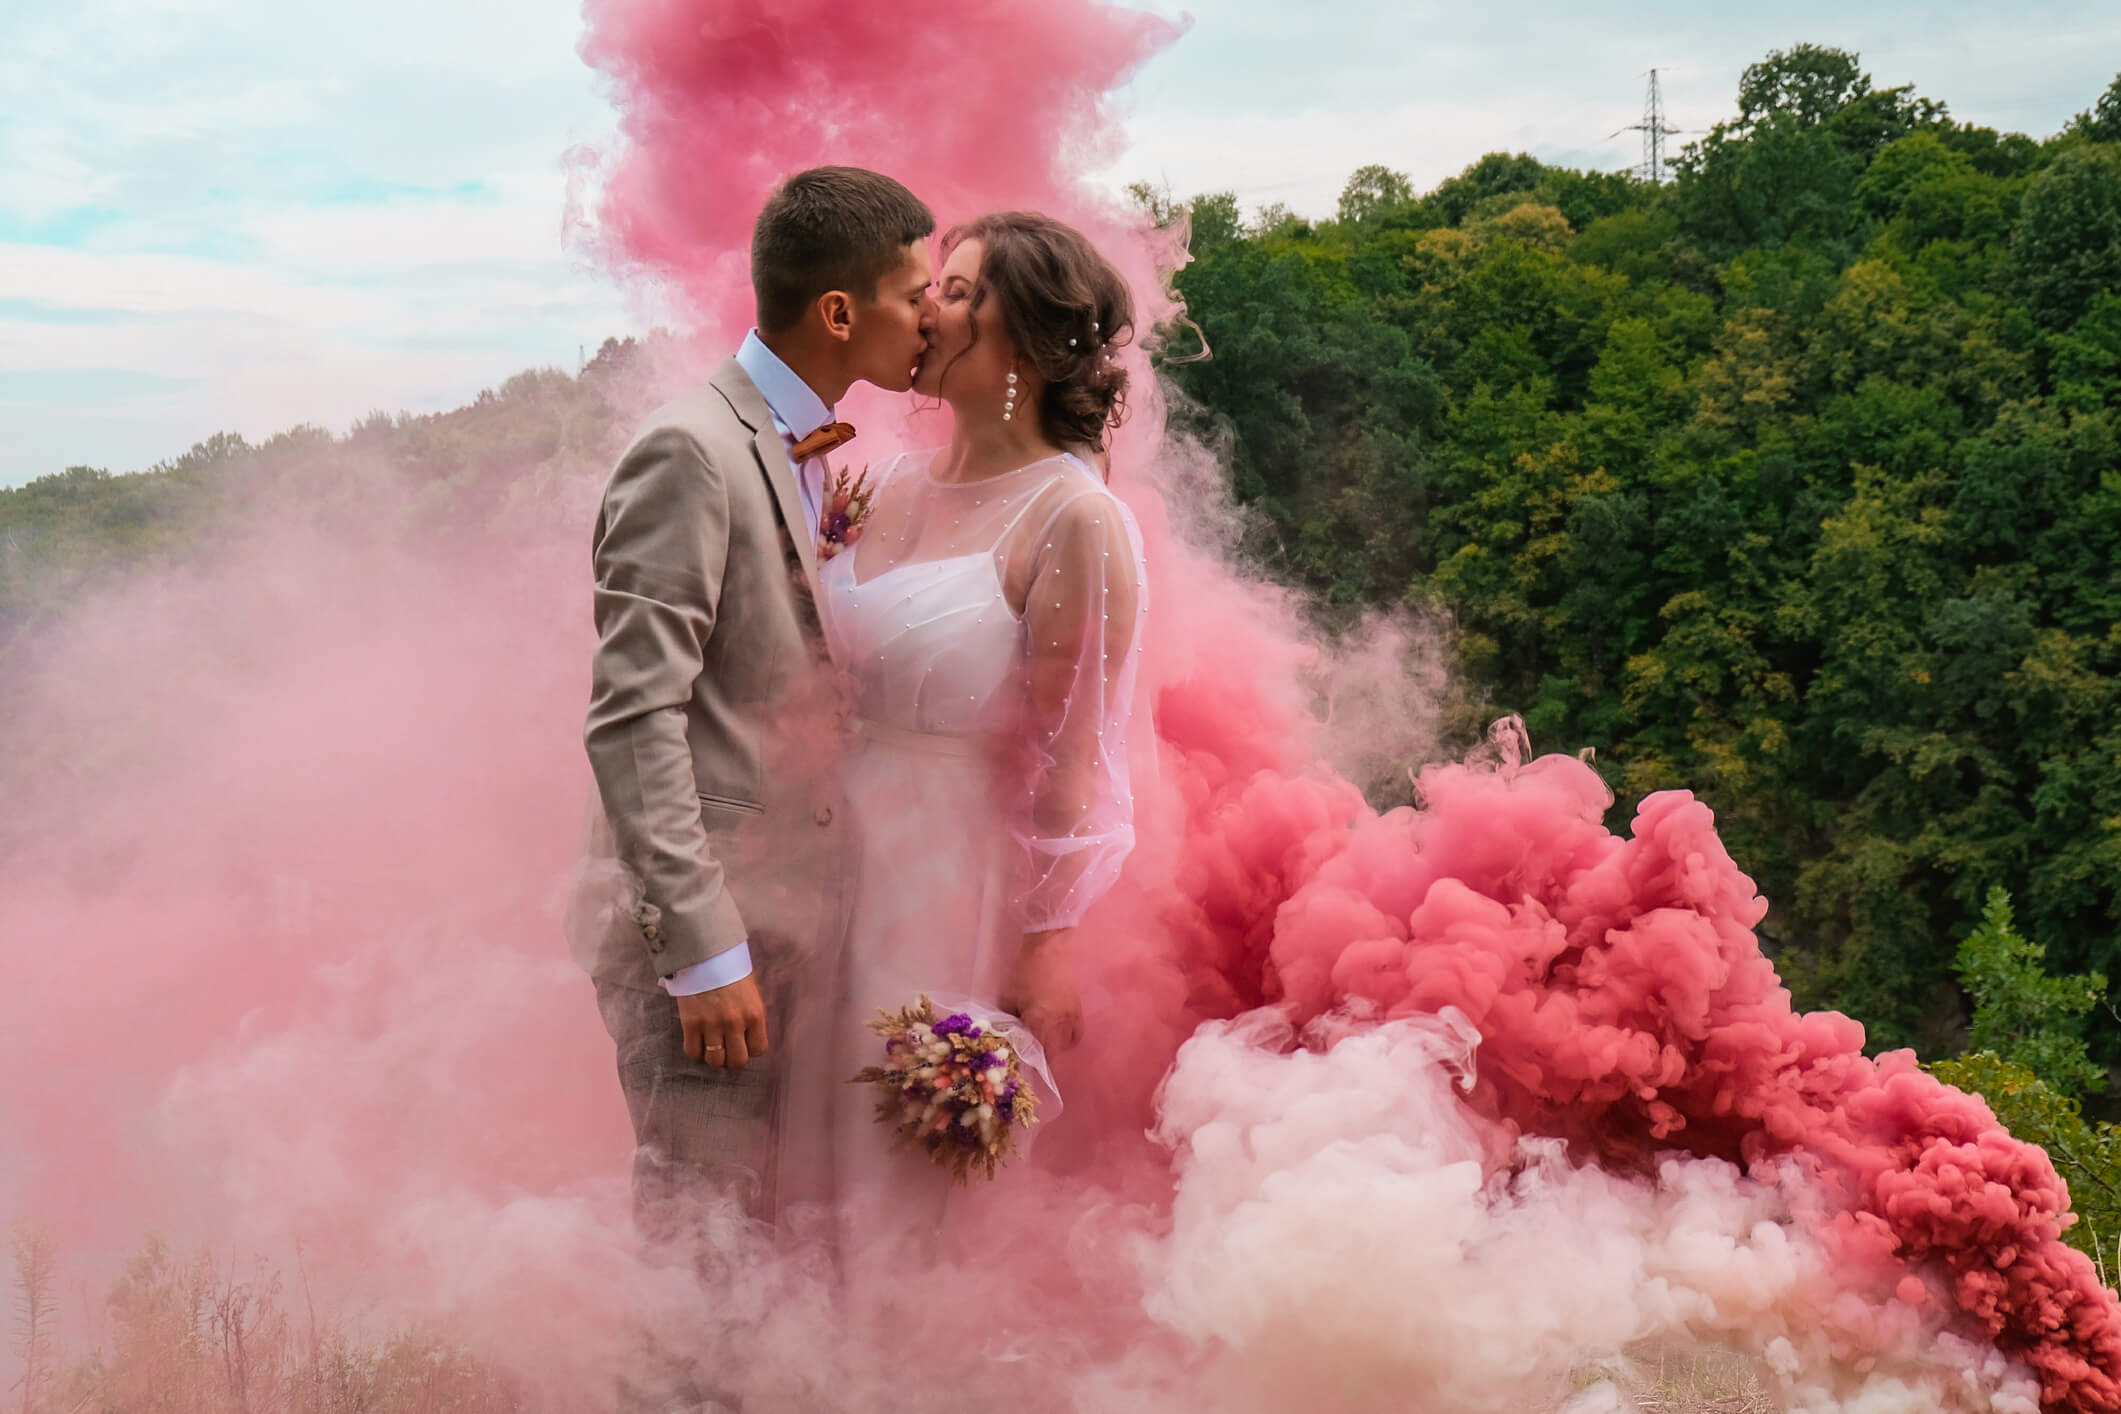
[[1792, 481]]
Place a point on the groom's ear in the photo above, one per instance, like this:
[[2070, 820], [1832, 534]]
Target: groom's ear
[[836, 311]]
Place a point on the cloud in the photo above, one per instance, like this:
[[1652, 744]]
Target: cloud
[[300, 212], [313, 211], [1278, 100]]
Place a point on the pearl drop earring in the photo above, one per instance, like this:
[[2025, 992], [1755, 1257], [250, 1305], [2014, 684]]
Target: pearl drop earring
[[1009, 407]]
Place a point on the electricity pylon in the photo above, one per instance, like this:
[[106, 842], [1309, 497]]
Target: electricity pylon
[[1654, 131]]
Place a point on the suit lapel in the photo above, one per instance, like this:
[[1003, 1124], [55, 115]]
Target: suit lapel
[[771, 452]]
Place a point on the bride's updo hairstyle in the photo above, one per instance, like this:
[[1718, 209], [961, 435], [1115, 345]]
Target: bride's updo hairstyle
[[1066, 310]]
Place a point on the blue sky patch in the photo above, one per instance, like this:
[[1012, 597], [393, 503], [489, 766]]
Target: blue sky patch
[[70, 227], [31, 311], [85, 387], [362, 191]]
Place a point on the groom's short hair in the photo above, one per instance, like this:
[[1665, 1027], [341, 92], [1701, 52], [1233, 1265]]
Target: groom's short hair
[[830, 228]]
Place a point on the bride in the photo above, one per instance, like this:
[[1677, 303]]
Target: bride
[[989, 616]]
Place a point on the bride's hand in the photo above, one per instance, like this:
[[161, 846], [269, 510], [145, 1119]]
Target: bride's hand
[[1041, 990]]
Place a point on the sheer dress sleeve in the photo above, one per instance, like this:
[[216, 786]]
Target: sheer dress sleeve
[[1083, 612]]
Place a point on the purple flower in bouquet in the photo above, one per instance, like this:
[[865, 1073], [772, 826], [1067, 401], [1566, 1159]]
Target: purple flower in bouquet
[[951, 1086]]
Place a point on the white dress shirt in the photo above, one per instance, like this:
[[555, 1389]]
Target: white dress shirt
[[797, 412]]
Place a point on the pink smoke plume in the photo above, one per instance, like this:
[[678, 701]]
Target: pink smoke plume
[[1619, 991], [1447, 1103], [976, 106], [1623, 1005]]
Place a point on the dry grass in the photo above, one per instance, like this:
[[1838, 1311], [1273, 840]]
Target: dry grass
[[1696, 1380], [1682, 1402], [197, 1337], [203, 1337]]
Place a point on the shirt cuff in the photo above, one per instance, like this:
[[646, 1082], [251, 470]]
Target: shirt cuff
[[717, 971]]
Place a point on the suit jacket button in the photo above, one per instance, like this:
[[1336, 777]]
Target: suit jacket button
[[823, 815]]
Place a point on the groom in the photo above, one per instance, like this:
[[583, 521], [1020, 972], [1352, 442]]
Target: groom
[[707, 880]]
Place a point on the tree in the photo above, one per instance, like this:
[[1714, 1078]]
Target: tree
[[1916, 160], [1274, 220], [2087, 360], [1787, 169], [221, 449], [2103, 123], [2020, 1012], [1992, 153], [1371, 192], [1497, 174], [36, 1315], [2026, 1056], [1808, 82], [1215, 219], [1762, 183], [1154, 200], [2067, 243]]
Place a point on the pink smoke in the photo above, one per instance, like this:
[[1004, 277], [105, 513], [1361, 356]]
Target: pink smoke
[[305, 790], [1624, 1006], [1622, 999], [279, 915], [975, 106]]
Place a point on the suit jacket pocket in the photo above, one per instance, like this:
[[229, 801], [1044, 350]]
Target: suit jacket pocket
[[733, 827]]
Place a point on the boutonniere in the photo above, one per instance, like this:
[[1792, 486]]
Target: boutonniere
[[846, 511]]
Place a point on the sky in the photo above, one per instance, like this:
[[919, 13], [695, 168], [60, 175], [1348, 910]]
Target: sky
[[245, 215]]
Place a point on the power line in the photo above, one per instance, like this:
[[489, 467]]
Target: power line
[[1654, 131]]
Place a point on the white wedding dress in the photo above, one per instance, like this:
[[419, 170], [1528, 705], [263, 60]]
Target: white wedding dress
[[990, 630]]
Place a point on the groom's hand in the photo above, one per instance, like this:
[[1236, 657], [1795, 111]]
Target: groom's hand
[[727, 1026]]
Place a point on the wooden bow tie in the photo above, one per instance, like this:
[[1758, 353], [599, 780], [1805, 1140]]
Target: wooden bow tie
[[822, 440]]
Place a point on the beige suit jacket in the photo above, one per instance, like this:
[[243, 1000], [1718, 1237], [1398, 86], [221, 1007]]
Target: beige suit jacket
[[712, 714]]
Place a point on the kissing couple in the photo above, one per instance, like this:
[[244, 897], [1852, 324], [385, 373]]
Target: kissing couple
[[857, 738]]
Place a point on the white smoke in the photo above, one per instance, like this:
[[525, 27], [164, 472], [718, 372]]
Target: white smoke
[[1347, 1235]]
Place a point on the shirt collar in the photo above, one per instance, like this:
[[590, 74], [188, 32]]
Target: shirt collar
[[797, 409]]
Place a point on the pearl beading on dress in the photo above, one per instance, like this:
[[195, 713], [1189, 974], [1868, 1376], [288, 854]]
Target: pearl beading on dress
[[942, 625]]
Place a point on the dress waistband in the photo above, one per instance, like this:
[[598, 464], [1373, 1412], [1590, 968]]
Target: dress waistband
[[966, 745]]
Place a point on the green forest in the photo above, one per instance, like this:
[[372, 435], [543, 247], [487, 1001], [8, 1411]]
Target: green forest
[[1792, 480]]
